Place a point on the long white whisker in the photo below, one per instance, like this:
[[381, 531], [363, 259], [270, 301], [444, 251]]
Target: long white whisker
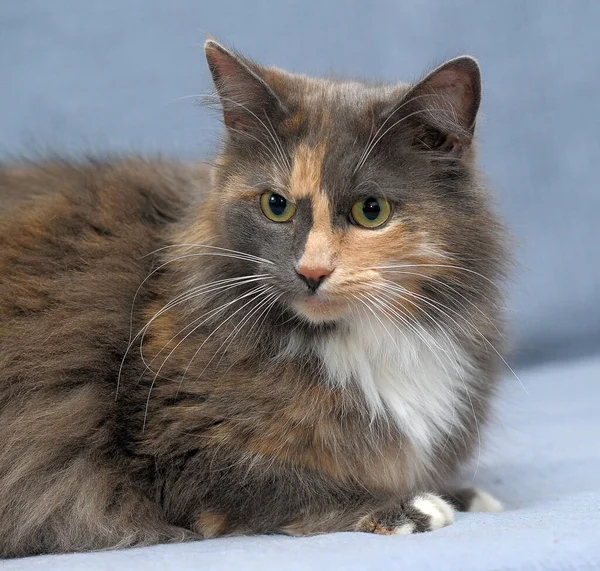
[[203, 289], [372, 138], [273, 138], [243, 255], [258, 291], [196, 324], [376, 140], [232, 335], [279, 145], [230, 253], [137, 291], [184, 338], [190, 295], [263, 144], [402, 266], [456, 292], [444, 310], [261, 319], [404, 319]]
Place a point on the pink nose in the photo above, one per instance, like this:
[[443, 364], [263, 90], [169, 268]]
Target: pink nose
[[313, 275]]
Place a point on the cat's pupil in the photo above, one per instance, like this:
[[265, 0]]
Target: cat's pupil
[[371, 208], [277, 204]]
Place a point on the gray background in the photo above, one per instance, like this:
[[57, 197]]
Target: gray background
[[122, 75]]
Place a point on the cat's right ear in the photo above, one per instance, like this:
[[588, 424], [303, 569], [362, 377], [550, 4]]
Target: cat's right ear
[[246, 98]]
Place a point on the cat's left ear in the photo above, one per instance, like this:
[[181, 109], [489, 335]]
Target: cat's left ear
[[246, 98], [445, 105]]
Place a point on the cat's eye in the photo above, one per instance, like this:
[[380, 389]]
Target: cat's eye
[[370, 212], [276, 208]]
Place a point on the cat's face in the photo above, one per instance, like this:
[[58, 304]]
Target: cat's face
[[362, 198]]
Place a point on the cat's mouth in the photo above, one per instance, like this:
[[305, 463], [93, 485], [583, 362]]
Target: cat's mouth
[[320, 308]]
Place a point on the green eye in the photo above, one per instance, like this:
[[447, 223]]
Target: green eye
[[276, 208], [371, 212]]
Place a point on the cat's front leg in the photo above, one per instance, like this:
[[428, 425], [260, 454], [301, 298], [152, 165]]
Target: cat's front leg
[[428, 512], [423, 512]]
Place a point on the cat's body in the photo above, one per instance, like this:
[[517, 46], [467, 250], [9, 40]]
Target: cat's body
[[175, 363]]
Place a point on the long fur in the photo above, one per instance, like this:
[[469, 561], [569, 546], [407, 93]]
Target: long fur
[[166, 375]]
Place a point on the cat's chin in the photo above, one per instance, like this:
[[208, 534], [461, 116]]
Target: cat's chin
[[318, 310]]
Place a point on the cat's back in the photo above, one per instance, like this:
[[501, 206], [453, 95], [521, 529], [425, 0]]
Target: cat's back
[[74, 245], [69, 216], [118, 191], [75, 240]]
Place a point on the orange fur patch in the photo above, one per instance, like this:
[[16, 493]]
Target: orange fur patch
[[306, 433], [305, 182], [305, 178], [322, 244]]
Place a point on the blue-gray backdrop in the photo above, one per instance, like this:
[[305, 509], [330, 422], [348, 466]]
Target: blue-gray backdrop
[[122, 75]]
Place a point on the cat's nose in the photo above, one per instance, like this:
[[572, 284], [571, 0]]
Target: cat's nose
[[313, 276]]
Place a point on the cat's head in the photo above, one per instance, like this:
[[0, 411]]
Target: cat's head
[[363, 198]]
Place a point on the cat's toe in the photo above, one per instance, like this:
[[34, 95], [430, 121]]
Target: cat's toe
[[438, 510], [425, 512]]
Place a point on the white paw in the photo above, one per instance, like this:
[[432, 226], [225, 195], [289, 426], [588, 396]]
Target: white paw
[[425, 512], [440, 512], [484, 502], [405, 529]]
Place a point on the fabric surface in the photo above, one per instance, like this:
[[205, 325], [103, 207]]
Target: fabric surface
[[124, 75], [542, 461]]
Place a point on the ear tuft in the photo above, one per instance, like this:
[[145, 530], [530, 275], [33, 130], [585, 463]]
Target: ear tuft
[[457, 86], [444, 105], [245, 96]]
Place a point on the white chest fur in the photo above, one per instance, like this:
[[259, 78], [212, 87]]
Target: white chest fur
[[420, 382]]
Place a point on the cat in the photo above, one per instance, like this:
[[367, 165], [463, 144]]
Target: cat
[[303, 338]]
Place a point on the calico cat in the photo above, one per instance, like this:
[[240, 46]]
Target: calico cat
[[304, 339]]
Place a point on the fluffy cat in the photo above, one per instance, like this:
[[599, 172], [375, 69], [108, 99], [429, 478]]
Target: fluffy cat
[[302, 340]]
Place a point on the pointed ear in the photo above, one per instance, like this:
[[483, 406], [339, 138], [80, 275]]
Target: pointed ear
[[445, 105], [246, 98]]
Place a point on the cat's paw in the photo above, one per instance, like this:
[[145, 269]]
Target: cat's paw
[[425, 512], [473, 500], [484, 502]]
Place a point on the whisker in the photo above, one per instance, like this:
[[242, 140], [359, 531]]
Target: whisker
[[230, 253], [444, 310], [278, 143], [462, 268], [372, 137], [232, 335], [376, 139], [456, 292], [258, 291], [205, 288], [261, 318], [190, 295], [404, 317], [263, 144], [272, 135], [211, 247], [239, 298]]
